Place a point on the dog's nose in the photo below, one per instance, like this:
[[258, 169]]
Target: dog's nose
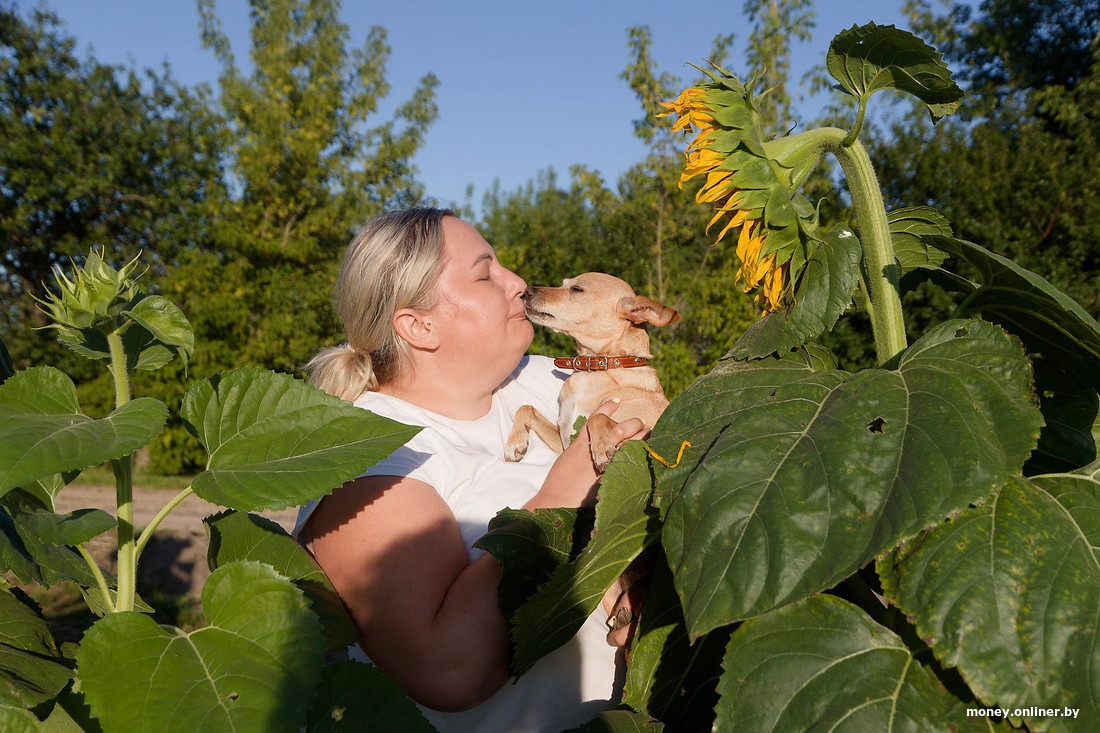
[[530, 291]]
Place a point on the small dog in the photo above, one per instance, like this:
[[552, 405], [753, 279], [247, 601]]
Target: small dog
[[604, 315]]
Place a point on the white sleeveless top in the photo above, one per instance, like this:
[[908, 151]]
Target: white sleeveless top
[[463, 460]]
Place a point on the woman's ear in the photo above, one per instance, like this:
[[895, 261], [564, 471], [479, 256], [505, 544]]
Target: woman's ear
[[416, 329]]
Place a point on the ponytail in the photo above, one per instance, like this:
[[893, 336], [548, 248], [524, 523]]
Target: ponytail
[[393, 263]]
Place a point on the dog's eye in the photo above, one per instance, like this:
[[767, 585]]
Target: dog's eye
[[575, 289]]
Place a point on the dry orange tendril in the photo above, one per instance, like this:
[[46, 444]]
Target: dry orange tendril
[[683, 446]]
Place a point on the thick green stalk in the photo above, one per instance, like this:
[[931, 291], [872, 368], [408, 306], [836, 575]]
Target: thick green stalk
[[124, 488], [879, 271]]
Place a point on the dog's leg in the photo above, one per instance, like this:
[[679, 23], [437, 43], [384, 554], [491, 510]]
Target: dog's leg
[[528, 419], [599, 440]]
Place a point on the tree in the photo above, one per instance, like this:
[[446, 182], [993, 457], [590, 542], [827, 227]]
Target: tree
[[91, 155], [307, 169]]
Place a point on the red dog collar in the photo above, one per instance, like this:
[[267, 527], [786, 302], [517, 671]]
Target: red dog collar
[[599, 363]]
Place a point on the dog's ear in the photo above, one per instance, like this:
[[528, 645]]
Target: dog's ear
[[641, 309]]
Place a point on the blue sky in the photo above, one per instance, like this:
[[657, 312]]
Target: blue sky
[[524, 85]]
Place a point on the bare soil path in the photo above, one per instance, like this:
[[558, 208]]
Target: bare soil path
[[174, 561]]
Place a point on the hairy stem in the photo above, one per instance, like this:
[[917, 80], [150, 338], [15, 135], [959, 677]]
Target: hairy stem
[[152, 527], [124, 488], [99, 579], [879, 270]]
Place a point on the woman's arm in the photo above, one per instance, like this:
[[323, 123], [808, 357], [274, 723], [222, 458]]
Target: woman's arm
[[427, 615]]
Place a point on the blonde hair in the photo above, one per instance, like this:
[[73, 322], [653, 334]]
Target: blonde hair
[[393, 262]]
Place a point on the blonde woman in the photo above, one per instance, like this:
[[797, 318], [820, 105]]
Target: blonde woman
[[437, 334]]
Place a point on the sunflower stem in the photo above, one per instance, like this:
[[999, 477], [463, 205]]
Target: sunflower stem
[[124, 488], [879, 269]]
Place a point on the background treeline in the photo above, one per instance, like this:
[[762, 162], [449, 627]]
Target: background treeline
[[243, 198]]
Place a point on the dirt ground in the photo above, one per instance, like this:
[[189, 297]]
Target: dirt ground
[[174, 561]]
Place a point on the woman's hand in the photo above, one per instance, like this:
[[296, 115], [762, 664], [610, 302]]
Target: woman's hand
[[573, 478]]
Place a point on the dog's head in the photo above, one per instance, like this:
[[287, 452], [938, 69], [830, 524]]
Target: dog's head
[[600, 311]]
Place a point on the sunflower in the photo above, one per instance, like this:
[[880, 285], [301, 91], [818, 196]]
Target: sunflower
[[741, 182]]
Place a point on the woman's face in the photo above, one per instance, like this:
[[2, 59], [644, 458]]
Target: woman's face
[[479, 316]]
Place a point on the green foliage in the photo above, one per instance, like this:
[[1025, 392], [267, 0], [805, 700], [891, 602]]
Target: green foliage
[[270, 612], [862, 549], [805, 655], [1007, 592], [90, 155], [247, 668]]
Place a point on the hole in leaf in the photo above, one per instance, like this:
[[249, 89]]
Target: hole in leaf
[[875, 426], [959, 333]]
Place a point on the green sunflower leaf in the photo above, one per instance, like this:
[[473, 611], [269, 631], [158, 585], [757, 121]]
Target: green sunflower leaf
[[531, 545], [275, 442], [236, 536], [620, 721], [800, 485], [1048, 321], [827, 283], [869, 58], [72, 528], [43, 432], [31, 669], [908, 226], [823, 664], [1008, 593], [625, 525], [668, 677], [359, 697], [166, 323], [254, 667]]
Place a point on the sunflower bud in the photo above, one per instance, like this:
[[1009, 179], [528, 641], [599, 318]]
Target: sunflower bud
[[93, 299]]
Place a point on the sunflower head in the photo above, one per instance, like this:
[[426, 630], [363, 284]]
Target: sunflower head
[[93, 298], [750, 182]]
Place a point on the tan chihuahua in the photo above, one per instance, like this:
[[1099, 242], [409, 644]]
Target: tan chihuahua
[[604, 315]]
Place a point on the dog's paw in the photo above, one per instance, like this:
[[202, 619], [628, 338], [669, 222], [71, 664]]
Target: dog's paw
[[514, 453]]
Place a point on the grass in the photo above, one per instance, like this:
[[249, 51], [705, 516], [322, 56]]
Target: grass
[[103, 476]]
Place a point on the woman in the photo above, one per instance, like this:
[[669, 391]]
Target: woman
[[437, 333]]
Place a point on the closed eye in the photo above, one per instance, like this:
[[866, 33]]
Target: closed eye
[[575, 289]]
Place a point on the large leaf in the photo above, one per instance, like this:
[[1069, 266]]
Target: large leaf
[[869, 58], [824, 293], [34, 559], [254, 667], [531, 545], [823, 664], [359, 697], [71, 528], [908, 227], [802, 482], [625, 525], [31, 669], [1048, 321], [275, 442], [668, 677], [42, 431], [1009, 593], [620, 721], [236, 536], [167, 326]]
